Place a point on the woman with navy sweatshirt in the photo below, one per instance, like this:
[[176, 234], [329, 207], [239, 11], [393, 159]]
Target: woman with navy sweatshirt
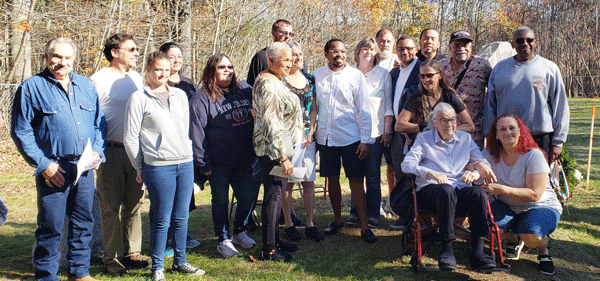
[[221, 128], [157, 143]]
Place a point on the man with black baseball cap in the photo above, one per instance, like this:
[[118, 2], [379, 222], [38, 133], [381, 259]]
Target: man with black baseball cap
[[469, 76]]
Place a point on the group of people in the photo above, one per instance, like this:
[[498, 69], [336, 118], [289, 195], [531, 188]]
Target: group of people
[[425, 114]]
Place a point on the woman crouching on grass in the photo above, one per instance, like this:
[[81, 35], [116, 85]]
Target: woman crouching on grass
[[159, 148], [527, 209]]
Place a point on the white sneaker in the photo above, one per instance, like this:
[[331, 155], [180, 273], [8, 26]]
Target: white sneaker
[[227, 249], [158, 275], [243, 240]]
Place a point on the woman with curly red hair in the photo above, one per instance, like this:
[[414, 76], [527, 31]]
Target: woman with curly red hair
[[527, 209]]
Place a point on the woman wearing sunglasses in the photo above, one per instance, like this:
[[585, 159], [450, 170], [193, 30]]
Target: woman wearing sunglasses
[[221, 128], [433, 89]]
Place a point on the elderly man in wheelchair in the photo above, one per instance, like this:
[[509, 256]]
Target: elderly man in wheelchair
[[439, 159]]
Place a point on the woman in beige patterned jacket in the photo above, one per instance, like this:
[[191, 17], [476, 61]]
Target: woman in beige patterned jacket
[[277, 129]]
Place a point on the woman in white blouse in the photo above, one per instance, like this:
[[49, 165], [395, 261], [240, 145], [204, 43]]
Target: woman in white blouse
[[379, 86]]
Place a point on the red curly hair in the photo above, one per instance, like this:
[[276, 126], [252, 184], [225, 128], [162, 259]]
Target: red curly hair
[[525, 144]]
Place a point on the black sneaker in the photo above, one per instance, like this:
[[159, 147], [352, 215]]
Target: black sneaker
[[352, 221], [187, 268], [276, 255], [372, 223], [546, 264], [333, 228], [287, 247], [313, 233], [398, 225], [292, 233], [513, 251], [295, 220], [369, 236]]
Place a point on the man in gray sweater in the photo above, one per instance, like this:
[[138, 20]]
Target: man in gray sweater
[[530, 87]]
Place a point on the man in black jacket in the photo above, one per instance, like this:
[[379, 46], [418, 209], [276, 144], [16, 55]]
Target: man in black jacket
[[282, 32], [405, 81]]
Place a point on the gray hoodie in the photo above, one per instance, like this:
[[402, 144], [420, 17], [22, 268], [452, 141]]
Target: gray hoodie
[[154, 134]]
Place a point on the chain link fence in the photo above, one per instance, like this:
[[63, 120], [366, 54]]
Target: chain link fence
[[7, 95]]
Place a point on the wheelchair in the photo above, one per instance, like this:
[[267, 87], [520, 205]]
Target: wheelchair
[[423, 223]]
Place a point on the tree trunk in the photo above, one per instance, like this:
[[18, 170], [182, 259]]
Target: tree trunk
[[20, 45]]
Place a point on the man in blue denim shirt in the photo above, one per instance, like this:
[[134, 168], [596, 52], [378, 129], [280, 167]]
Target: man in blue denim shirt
[[54, 115]]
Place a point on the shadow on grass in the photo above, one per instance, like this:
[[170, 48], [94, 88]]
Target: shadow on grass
[[15, 252]]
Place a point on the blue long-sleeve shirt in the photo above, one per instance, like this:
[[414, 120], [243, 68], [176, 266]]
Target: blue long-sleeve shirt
[[48, 124]]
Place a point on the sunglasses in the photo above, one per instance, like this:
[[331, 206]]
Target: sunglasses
[[427, 75], [522, 40], [221, 67], [131, 50]]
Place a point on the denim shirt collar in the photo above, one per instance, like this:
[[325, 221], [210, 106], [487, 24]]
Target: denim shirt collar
[[48, 75]]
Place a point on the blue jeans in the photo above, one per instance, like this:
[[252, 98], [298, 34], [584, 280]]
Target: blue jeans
[[3, 212], [539, 220], [76, 202], [373, 176], [241, 183], [170, 188]]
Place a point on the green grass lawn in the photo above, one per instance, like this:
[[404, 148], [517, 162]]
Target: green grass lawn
[[575, 245]]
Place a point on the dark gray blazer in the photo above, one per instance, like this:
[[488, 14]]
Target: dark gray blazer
[[411, 86]]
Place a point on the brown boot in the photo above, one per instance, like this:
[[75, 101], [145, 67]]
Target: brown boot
[[86, 278], [136, 261], [114, 268]]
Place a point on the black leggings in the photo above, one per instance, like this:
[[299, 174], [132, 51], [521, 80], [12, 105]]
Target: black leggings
[[271, 205]]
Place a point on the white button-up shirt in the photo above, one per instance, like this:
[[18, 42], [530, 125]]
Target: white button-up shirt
[[379, 86], [402, 78], [342, 99], [431, 152]]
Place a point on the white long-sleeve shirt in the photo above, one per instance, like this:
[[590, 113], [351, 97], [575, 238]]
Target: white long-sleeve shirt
[[379, 86], [342, 99]]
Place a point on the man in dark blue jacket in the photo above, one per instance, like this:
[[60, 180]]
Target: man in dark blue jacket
[[405, 81]]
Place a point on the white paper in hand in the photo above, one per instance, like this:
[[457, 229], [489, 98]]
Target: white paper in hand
[[84, 160], [298, 172]]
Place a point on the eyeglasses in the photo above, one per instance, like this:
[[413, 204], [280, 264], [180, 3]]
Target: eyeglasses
[[286, 33], [427, 75], [221, 67], [131, 50], [522, 40], [446, 121], [337, 52], [402, 49]]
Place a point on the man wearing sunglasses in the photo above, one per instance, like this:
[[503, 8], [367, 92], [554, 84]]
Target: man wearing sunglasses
[[281, 31], [120, 196], [530, 87], [469, 76]]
